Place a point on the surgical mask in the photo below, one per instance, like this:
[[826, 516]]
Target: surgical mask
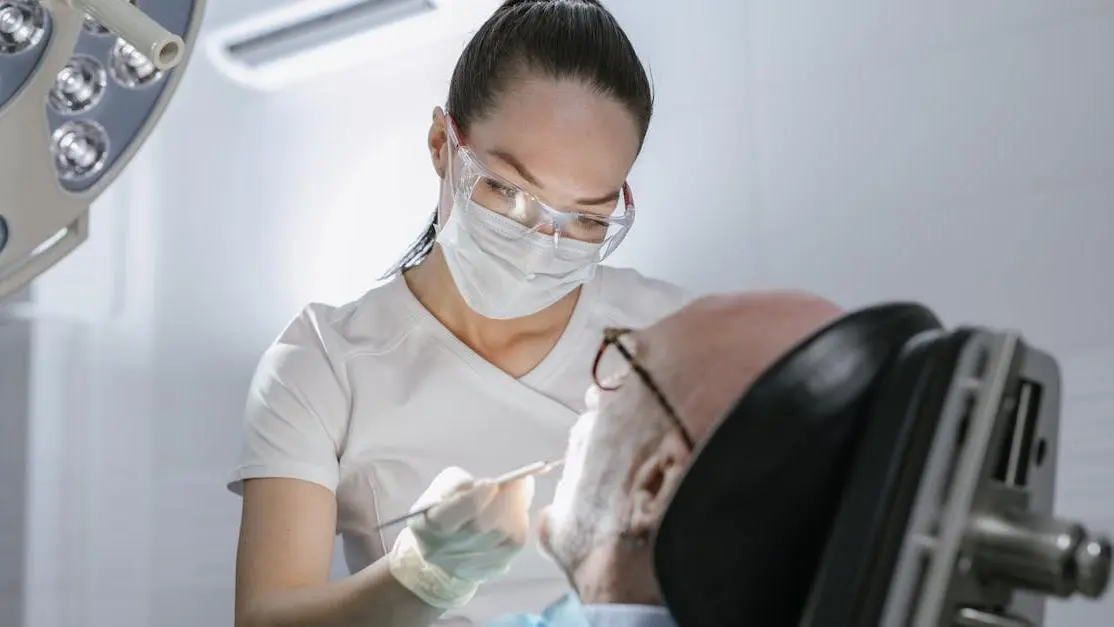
[[504, 270]]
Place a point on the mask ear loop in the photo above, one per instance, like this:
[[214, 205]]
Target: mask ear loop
[[419, 248], [452, 144]]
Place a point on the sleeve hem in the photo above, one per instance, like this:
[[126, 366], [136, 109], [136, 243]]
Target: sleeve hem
[[322, 476]]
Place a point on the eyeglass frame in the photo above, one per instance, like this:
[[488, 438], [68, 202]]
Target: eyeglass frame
[[625, 221], [612, 336]]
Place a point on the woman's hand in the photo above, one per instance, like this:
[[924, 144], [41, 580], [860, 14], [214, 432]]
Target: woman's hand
[[469, 538]]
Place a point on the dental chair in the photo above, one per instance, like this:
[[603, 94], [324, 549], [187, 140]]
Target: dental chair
[[886, 472]]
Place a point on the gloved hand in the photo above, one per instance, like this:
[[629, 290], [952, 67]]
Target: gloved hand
[[445, 555]]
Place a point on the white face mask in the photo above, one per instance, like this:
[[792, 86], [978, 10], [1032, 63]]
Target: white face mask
[[503, 270]]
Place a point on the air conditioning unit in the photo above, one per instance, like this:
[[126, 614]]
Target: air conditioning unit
[[312, 38]]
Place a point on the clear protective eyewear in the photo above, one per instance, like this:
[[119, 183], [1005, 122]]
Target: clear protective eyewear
[[472, 180]]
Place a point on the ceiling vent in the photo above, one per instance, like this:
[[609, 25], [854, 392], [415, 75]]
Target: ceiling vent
[[312, 38]]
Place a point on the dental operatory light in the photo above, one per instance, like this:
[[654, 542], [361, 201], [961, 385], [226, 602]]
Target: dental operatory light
[[79, 149], [78, 86], [130, 68], [22, 25], [82, 84]]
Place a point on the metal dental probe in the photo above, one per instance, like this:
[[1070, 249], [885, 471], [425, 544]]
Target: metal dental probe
[[532, 470]]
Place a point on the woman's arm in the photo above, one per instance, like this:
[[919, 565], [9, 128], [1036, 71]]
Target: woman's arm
[[282, 568]]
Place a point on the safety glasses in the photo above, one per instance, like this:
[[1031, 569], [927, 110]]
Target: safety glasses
[[472, 181]]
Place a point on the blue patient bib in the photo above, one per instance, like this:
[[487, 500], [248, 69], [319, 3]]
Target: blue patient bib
[[565, 612]]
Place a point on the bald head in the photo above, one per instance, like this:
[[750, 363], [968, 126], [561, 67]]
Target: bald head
[[708, 353], [626, 455]]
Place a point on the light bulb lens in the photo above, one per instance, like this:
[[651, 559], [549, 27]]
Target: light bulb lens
[[22, 25], [93, 27], [80, 149], [79, 85], [130, 68]]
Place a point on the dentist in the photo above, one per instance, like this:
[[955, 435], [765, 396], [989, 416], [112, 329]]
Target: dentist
[[476, 352]]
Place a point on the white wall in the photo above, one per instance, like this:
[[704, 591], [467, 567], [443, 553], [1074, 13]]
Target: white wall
[[1086, 476], [957, 153], [15, 355]]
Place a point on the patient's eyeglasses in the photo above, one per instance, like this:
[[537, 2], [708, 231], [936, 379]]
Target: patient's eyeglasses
[[614, 337]]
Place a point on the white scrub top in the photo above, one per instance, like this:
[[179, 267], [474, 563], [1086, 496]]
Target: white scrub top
[[374, 398]]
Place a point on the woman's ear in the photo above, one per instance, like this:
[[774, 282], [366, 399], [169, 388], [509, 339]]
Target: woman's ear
[[654, 483], [438, 142]]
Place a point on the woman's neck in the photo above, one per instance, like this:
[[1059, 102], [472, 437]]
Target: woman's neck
[[516, 346]]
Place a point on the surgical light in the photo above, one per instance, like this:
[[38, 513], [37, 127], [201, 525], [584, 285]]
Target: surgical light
[[79, 149], [21, 25], [82, 84], [130, 68], [79, 85]]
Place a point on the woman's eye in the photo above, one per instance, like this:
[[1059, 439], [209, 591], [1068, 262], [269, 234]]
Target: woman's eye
[[501, 189], [589, 223]]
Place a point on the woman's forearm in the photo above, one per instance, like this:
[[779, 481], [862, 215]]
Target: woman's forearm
[[370, 598]]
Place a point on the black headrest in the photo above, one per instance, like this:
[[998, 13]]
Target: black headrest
[[741, 539], [867, 533]]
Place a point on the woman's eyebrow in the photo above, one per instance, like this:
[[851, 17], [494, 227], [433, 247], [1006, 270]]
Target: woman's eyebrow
[[506, 157], [609, 199], [513, 161]]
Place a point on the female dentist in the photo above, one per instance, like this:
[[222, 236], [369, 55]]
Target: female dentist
[[477, 352]]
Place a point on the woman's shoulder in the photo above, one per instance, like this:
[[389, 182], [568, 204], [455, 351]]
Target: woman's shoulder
[[629, 298], [371, 323]]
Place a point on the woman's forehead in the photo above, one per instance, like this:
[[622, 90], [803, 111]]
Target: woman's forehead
[[549, 112], [570, 140]]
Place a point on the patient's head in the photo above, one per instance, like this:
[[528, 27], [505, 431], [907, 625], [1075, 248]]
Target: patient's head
[[628, 451]]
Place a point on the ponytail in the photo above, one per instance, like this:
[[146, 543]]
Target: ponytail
[[417, 252]]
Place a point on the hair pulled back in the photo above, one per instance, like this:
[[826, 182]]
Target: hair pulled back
[[558, 39]]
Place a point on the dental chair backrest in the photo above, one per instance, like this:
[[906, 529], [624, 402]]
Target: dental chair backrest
[[745, 536]]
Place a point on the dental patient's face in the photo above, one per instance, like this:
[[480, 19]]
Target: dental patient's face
[[579, 509]]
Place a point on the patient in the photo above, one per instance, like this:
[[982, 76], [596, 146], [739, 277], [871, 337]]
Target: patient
[[659, 393]]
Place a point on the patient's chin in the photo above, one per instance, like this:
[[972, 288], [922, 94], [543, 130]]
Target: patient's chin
[[541, 531], [547, 552], [562, 539], [545, 536]]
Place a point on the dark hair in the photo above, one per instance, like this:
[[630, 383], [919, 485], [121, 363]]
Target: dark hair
[[559, 39]]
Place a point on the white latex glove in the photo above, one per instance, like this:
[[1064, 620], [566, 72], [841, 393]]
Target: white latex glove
[[446, 554]]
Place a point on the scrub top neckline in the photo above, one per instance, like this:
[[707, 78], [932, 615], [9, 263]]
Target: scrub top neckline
[[549, 366]]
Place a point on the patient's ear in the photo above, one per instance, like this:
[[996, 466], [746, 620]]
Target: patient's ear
[[655, 480]]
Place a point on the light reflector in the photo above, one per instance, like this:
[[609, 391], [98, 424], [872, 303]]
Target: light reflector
[[130, 68], [22, 24], [79, 148], [79, 85]]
